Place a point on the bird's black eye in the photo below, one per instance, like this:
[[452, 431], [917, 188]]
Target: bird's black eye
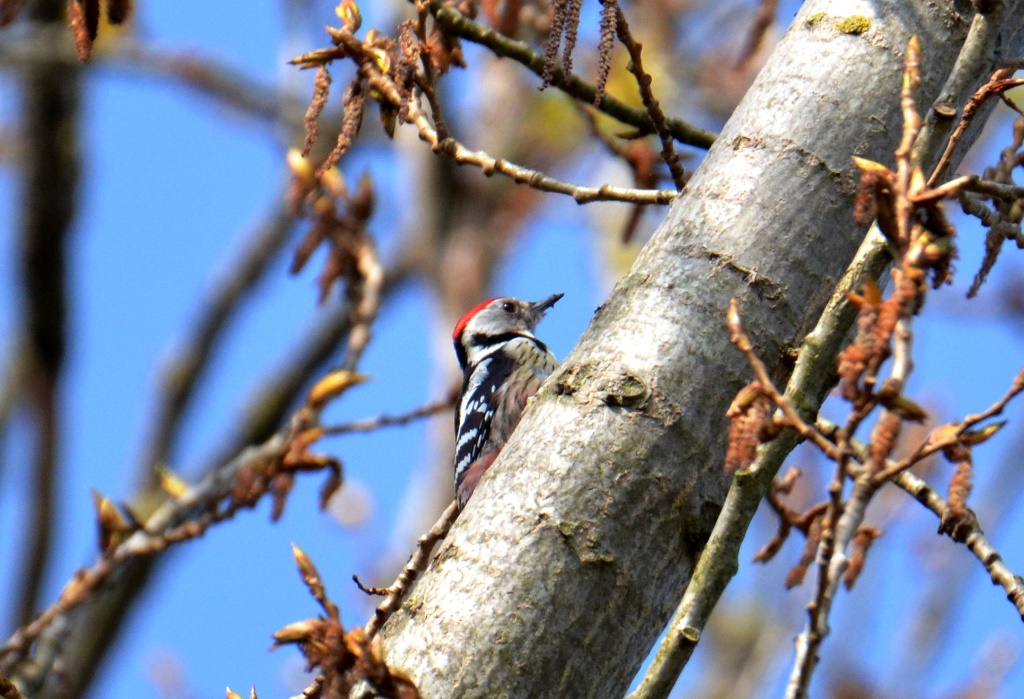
[[508, 306]]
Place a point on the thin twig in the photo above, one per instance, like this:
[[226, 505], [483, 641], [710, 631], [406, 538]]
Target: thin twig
[[643, 81], [369, 589], [427, 82], [533, 178], [397, 591], [364, 313], [792, 418], [999, 83], [911, 126], [375, 423], [970, 183]]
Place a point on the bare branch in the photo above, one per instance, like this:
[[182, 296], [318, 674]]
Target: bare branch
[[50, 105], [397, 591], [643, 81], [375, 423], [537, 180]]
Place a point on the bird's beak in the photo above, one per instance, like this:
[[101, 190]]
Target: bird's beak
[[538, 308]]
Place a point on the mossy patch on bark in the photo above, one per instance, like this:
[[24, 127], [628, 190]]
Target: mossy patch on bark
[[815, 19], [854, 24]]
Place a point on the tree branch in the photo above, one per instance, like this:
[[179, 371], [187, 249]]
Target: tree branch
[[504, 47], [51, 167]]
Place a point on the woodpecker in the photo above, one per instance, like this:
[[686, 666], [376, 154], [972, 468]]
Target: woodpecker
[[503, 365]]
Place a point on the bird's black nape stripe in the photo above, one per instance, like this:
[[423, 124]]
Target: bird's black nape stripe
[[460, 354], [491, 340]]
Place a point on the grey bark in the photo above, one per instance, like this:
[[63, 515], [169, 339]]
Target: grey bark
[[565, 566]]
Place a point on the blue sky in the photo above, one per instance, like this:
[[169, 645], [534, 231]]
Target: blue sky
[[173, 184]]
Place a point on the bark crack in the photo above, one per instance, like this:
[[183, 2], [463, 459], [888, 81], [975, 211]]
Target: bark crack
[[765, 286]]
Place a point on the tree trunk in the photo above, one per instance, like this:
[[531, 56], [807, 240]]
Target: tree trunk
[[560, 574]]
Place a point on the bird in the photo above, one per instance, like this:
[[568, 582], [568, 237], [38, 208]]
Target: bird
[[503, 365]]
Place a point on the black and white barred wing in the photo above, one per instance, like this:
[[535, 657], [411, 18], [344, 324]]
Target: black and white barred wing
[[476, 410]]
